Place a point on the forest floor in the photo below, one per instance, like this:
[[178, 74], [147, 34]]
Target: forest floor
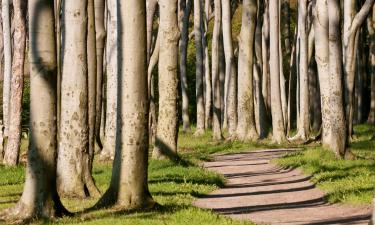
[[176, 184]]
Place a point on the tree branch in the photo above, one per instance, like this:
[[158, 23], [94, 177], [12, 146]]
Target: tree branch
[[361, 16]]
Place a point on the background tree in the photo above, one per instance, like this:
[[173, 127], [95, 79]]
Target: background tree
[[7, 62]]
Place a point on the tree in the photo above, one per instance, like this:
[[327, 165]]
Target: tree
[[230, 71], [371, 30], [73, 173], [39, 197], [12, 150], [198, 17], [207, 70], [109, 146], [352, 22], [128, 188], [7, 62], [167, 129], [246, 128], [276, 109], [216, 89]]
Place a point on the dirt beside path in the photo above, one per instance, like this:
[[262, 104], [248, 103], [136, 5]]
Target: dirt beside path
[[265, 193]]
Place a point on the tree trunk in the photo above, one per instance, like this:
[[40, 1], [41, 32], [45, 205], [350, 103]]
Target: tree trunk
[[7, 63], [40, 198], [216, 89], [371, 30], [112, 56], [246, 129], [222, 79], [276, 107], [230, 71], [73, 175], [285, 28], [185, 10], [151, 9], [207, 70], [167, 129], [199, 67], [12, 150], [1, 75], [265, 58], [129, 188]]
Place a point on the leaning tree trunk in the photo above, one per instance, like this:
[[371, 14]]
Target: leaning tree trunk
[[108, 151], [371, 30], [12, 150], [246, 128], [216, 89], [7, 63], [352, 22], [185, 10], [128, 188], [167, 128], [230, 71], [276, 108], [199, 67], [40, 198], [207, 70], [73, 176]]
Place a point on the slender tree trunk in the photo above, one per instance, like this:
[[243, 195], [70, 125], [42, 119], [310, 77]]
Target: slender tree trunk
[[276, 106], [151, 9], [216, 89], [207, 70], [285, 21], [292, 89], [167, 129], [371, 30], [112, 56], [73, 175], [12, 150], [128, 188], [265, 58], [7, 63], [185, 10], [246, 129], [222, 80], [230, 71], [199, 67], [2, 76], [40, 198]]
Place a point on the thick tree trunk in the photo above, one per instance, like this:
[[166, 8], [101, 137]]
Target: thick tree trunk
[[371, 30], [129, 188], [207, 70], [198, 16], [246, 129], [7, 63], [112, 56], [184, 10], [73, 175], [230, 71], [216, 89], [40, 198], [12, 150], [276, 106], [167, 129]]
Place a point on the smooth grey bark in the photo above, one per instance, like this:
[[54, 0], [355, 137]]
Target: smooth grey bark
[[371, 30], [39, 198], [112, 52], [1, 75], [151, 7], [128, 188], [7, 62], [198, 17], [230, 71], [265, 58], [276, 106], [246, 128], [167, 128], [74, 177], [216, 89], [352, 23], [151, 91], [12, 150], [207, 69], [222, 80], [184, 15]]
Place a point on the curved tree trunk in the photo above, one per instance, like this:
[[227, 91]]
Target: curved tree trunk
[[216, 89], [276, 107], [40, 198], [73, 175], [7, 62], [167, 129], [12, 150], [230, 71], [108, 151], [185, 10], [246, 129], [129, 188], [199, 67]]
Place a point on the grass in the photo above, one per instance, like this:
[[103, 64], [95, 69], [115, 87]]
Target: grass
[[344, 181]]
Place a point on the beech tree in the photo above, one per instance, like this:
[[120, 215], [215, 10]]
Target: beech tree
[[39, 197], [207, 70], [128, 188], [371, 30]]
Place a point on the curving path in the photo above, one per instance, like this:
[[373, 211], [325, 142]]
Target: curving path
[[264, 193]]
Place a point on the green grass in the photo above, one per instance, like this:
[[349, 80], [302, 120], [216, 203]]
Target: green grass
[[344, 181]]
